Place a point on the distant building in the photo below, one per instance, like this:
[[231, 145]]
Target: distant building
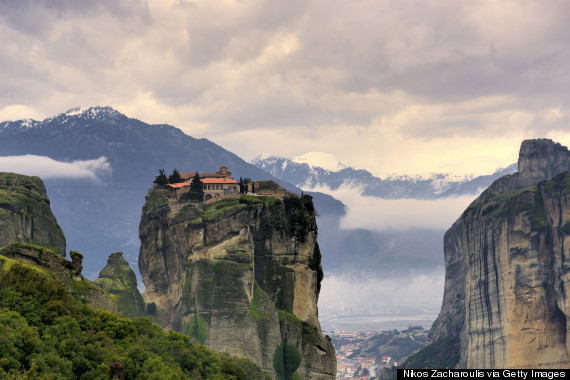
[[176, 189], [223, 172], [216, 184], [215, 187]]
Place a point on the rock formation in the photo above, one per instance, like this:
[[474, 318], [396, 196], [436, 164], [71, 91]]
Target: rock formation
[[30, 234], [507, 266], [240, 275], [118, 279], [25, 214], [68, 272]]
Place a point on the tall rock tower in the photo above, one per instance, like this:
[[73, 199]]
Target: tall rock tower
[[240, 275], [507, 262]]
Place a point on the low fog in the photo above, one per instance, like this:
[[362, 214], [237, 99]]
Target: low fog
[[384, 260], [48, 168], [373, 213]]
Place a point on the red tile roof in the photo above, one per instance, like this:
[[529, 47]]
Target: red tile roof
[[219, 180], [179, 185], [191, 175], [187, 175]]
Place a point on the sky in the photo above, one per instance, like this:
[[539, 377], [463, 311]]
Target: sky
[[392, 86]]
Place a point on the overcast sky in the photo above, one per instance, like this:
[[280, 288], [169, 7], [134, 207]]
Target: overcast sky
[[390, 86]]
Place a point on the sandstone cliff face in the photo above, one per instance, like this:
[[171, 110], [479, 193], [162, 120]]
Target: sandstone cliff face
[[118, 279], [242, 276], [505, 297], [25, 214]]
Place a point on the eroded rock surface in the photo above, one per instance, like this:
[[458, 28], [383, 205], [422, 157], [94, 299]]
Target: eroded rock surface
[[25, 214], [241, 275], [68, 272], [507, 264], [118, 279]]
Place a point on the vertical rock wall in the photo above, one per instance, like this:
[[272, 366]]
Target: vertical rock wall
[[506, 268], [241, 275]]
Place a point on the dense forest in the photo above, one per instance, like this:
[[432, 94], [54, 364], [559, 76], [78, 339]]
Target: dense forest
[[47, 333]]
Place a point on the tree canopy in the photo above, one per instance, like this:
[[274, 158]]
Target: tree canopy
[[161, 178], [47, 333], [175, 177], [196, 192]]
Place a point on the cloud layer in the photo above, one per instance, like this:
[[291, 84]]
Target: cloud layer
[[396, 214], [385, 85], [47, 168]]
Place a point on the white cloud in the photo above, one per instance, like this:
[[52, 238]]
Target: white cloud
[[18, 112], [374, 213], [46, 167]]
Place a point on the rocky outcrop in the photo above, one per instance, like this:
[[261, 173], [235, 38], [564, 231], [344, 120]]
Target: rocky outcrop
[[68, 272], [542, 159], [118, 279], [507, 266], [241, 275], [30, 234], [25, 214]]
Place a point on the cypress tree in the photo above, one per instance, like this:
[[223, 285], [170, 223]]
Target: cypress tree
[[196, 188], [175, 177], [161, 179]]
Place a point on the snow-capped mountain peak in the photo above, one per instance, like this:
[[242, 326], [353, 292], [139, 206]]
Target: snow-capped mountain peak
[[316, 168], [320, 160], [91, 112], [73, 111]]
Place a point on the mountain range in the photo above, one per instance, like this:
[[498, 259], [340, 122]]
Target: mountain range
[[318, 169]]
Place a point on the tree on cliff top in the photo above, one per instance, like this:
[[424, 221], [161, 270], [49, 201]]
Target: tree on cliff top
[[175, 177], [196, 192], [161, 178], [243, 182]]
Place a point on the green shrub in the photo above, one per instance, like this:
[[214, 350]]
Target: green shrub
[[196, 328], [286, 360], [151, 308]]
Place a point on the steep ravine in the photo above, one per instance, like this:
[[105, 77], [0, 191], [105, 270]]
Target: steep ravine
[[241, 275]]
